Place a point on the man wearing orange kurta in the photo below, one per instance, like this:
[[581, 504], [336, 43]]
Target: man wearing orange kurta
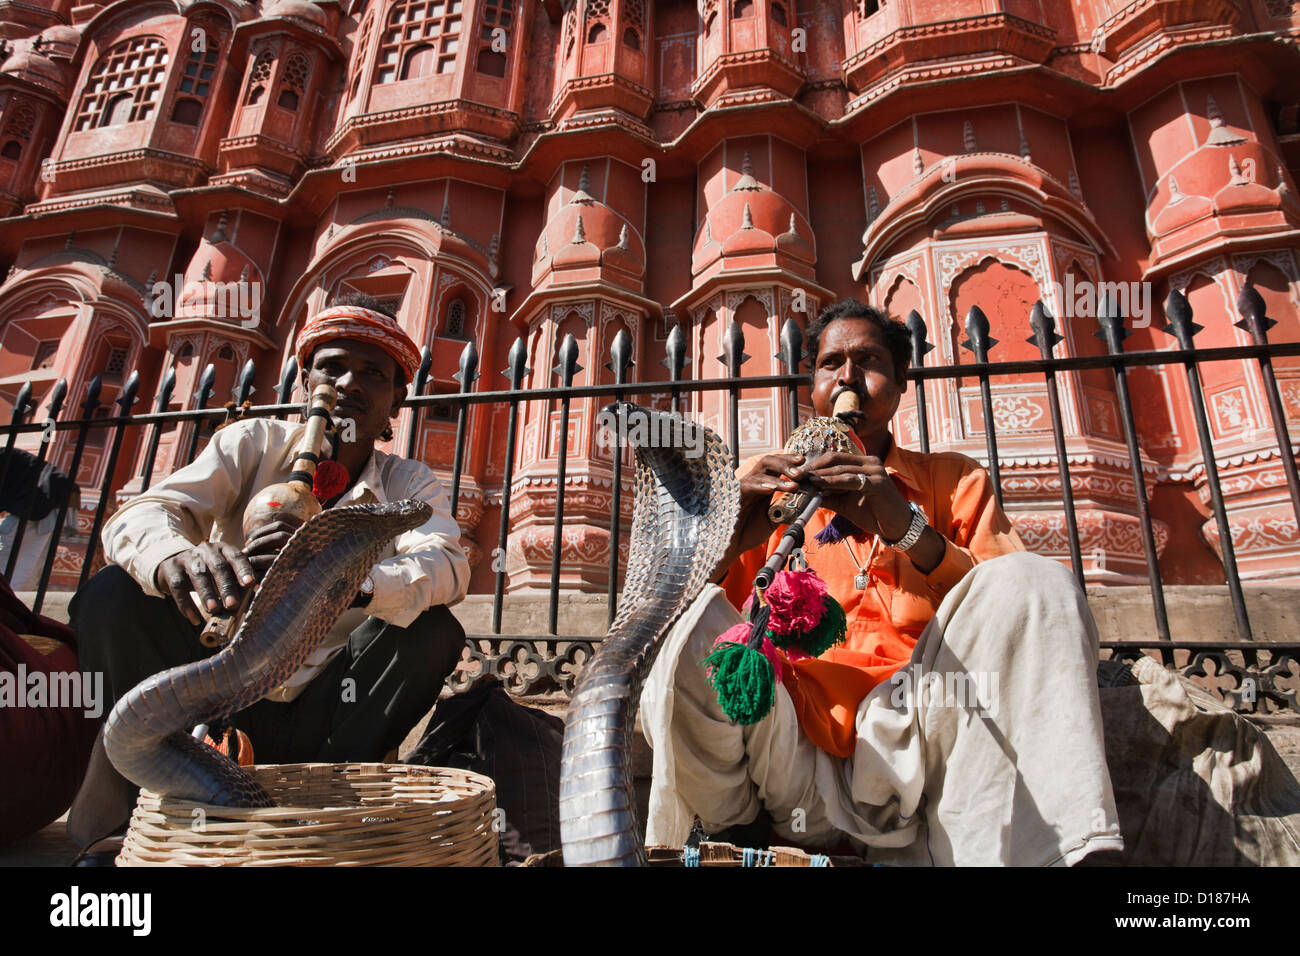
[[958, 723]]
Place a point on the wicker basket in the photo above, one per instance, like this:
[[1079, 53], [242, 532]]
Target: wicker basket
[[329, 814]]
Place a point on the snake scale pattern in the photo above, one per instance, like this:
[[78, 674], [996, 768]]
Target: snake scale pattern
[[683, 516], [307, 588]]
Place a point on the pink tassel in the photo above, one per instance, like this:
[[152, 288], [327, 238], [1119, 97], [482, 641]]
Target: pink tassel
[[797, 599]]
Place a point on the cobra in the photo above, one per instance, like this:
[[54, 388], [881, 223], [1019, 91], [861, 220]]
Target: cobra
[[684, 512], [307, 588]]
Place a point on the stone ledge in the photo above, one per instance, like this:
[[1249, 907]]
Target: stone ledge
[[1200, 613]]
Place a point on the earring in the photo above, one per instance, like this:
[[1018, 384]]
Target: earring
[[387, 433]]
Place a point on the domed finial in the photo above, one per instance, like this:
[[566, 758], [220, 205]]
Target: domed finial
[[1283, 191], [746, 181], [1024, 149], [583, 195], [445, 218], [1175, 197], [71, 236], [748, 221], [968, 136], [622, 238], [206, 274], [579, 232], [1220, 135], [792, 230], [873, 204], [918, 162], [388, 199], [1075, 191]]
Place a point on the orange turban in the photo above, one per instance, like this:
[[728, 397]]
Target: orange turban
[[364, 325]]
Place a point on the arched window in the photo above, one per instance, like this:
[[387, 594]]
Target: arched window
[[490, 62], [633, 23], [741, 9], [124, 85], [22, 120], [293, 82], [362, 48], [778, 14], [453, 327], [46, 352], [868, 7], [595, 20], [414, 23], [13, 150], [419, 61], [187, 112], [498, 21], [570, 28], [197, 80], [259, 77]]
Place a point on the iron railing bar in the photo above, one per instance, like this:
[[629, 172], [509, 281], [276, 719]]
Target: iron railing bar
[[125, 401], [21, 530], [515, 372], [977, 329], [1181, 325], [567, 368], [1113, 334], [498, 594], [1046, 338], [1255, 321], [87, 412]]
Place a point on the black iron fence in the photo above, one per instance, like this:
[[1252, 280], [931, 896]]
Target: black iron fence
[[1253, 675]]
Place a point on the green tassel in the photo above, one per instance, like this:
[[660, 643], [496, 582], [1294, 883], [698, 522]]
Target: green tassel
[[744, 681], [830, 630]]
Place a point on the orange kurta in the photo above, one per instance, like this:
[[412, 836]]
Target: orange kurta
[[885, 620]]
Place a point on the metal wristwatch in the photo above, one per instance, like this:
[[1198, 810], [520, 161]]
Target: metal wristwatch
[[914, 530], [367, 592]]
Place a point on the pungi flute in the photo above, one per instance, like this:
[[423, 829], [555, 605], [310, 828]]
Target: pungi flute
[[797, 507], [291, 498]]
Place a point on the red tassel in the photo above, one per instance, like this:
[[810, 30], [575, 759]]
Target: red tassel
[[331, 480]]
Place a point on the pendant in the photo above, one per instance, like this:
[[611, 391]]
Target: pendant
[[860, 581]]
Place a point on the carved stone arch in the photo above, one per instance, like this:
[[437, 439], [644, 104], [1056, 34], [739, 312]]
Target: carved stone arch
[[1005, 291], [453, 287]]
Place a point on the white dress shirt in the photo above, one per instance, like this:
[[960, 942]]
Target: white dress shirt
[[205, 500]]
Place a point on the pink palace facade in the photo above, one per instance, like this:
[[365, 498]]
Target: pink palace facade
[[506, 168]]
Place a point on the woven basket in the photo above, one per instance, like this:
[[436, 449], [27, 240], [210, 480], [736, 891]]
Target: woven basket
[[328, 814]]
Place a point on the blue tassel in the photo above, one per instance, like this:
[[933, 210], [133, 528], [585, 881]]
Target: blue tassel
[[836, 530]]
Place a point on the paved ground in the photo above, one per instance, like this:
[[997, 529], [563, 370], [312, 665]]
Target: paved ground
[[51, 846]]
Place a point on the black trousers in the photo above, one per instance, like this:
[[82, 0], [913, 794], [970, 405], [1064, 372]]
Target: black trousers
[[358, 707]]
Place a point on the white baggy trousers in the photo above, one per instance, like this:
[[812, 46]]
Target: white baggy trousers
[[985, 748]]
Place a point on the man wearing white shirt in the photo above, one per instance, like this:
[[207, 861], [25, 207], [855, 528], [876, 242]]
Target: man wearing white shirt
[[383, 664]]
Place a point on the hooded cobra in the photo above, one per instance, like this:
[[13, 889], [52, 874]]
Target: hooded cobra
[[685, 510], [307, 588]]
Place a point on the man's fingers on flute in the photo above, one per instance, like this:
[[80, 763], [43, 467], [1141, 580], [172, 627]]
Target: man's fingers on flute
[[239, 562], [224, 575], [178, 589]]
